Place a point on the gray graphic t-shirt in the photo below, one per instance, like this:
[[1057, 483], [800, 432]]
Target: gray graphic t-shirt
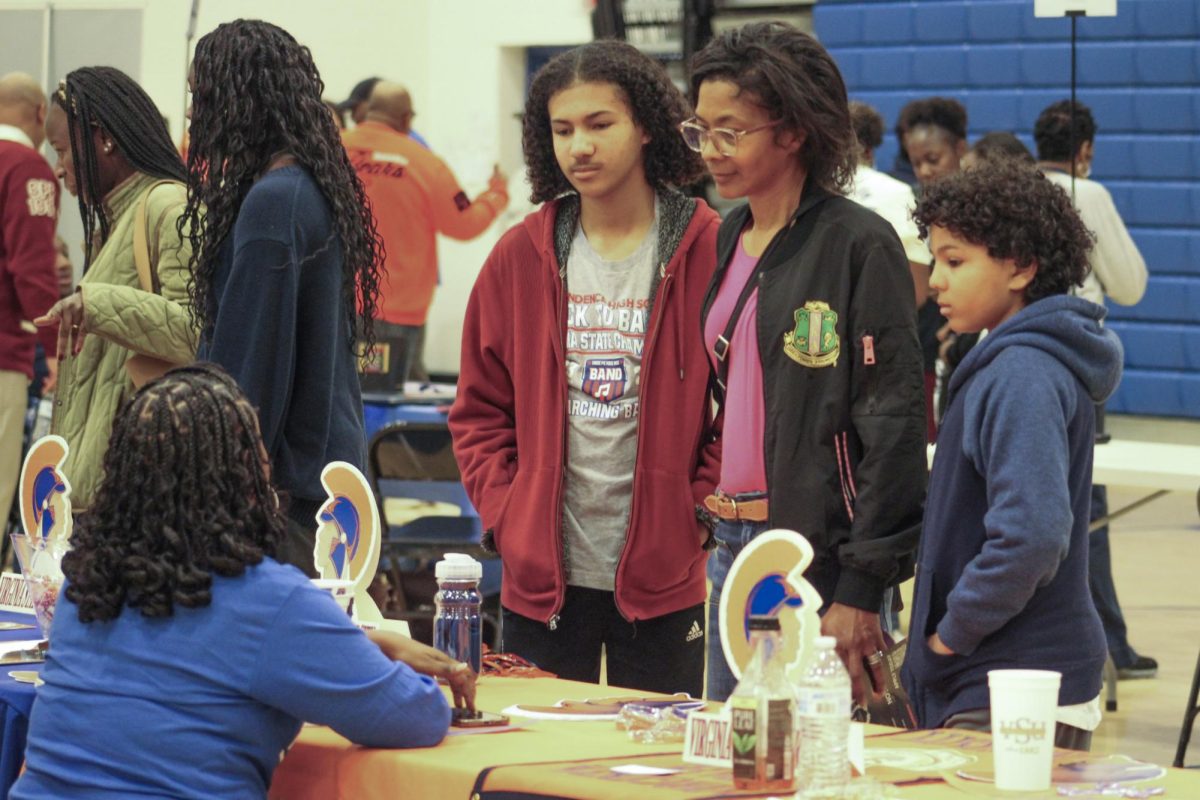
[[608, 310]]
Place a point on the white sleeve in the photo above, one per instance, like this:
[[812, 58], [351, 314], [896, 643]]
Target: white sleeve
[[1116, 261]]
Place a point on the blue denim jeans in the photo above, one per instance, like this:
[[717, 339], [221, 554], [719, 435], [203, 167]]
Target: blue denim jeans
[[732, 536]]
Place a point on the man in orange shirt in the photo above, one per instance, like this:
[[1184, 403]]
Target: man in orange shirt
[[414, 196]]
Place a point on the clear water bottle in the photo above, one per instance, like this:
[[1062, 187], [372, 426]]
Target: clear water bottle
[[458, 619], [823, 717], [762, 715]]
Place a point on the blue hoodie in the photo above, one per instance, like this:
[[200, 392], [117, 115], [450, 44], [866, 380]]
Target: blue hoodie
[[1002, 565]]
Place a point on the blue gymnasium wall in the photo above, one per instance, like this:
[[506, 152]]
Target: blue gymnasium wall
[[1140, 74]]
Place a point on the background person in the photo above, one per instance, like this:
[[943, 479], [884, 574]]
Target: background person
[[414, 196], [1118, 271], [286, 260], [889, 198], [823, 403], [585, 440], [28, 215], [112, 148], [185, 657]]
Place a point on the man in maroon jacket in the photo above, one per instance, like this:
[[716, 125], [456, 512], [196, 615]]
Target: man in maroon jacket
[[28, 281], [582, 424]]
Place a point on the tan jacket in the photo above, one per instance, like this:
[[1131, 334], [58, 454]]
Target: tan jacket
[[121, 319]]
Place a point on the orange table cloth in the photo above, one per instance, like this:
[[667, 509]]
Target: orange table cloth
[[574, 759]]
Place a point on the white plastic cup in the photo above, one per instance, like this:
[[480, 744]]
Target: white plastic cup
[[1024, 704], [341, 590]]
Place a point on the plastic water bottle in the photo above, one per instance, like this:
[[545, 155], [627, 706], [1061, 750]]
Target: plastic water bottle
[[762, 716], [458, 621], [823, 714]]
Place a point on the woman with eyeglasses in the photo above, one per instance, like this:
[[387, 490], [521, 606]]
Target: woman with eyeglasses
[[810, 325], [582, 423]]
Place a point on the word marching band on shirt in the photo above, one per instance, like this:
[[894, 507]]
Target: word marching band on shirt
[[604, 350]]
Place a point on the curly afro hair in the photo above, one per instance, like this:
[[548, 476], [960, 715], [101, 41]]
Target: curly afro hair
[[1052, 131], [868, 125], [1011, 209], [944, 113], [788, 72], [656, 105], [185, 496]]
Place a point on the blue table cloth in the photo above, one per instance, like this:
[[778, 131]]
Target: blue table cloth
[[379, 411], [16, 701]]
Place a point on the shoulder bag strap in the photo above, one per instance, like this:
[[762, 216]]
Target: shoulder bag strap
[[147, 277]]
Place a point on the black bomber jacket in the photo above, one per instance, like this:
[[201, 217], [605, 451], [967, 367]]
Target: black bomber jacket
[[843, 388]]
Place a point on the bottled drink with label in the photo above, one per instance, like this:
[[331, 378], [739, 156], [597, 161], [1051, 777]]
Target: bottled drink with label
[[762, 715], [823, 713]]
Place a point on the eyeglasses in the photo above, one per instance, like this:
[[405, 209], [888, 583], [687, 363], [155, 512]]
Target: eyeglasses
[[724, 140]]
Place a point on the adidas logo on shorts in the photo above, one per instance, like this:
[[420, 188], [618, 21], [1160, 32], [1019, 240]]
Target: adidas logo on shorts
[[695, 633]]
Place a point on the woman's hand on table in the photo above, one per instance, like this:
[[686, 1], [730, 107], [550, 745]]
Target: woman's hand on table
[[428, 661]]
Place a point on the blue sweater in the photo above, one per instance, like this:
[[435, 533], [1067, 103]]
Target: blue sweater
[[202, 704], [1002, 565], [282, 331]]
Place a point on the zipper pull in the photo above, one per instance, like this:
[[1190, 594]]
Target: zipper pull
[[553, 623], [868, 349]]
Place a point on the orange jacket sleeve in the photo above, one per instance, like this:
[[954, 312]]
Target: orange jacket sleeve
[[454, 213]]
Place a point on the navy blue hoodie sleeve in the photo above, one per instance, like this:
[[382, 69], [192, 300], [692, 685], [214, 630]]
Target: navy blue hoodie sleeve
[[1016, 436]]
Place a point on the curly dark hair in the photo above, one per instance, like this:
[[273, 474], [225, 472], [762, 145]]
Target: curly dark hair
[[185, 496], [868, 125], [1001, 144], [1011, 209], [945, 113], [108, 98], [1052, 131], [256, 94], [657, 107], [789, 73]]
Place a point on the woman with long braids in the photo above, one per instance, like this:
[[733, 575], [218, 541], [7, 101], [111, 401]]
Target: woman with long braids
[[116, 156], [285, 258], [185, 657]]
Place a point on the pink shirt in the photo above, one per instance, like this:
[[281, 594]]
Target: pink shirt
[[742, 466]]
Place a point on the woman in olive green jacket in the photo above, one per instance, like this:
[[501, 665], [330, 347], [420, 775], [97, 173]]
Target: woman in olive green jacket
[[115, 155]]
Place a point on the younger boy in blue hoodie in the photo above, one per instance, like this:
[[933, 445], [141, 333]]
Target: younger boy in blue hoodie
[[1002, 572]]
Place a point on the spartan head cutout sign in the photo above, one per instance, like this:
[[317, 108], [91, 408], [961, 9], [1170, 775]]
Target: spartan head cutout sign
[[767, 579], [45, 493], [348, 535]]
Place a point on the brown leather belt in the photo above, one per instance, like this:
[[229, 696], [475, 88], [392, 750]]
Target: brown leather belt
[[726, 507]]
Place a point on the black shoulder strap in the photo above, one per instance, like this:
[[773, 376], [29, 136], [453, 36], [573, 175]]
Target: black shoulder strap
[[802, 226]]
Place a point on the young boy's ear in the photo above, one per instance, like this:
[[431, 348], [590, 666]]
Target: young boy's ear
[[1022, 276]]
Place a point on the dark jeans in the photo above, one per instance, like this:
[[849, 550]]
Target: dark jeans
[[1068, 737], [1100, 579], [300, 538], [664, 654]]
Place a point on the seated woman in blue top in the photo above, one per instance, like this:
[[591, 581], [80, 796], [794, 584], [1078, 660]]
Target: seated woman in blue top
[[184, 656]]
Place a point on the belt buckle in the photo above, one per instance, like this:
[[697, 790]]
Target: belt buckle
[[733, 502]]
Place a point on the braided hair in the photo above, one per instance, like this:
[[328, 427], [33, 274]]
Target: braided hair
[[256, 94], [185, 496], [107, 98]]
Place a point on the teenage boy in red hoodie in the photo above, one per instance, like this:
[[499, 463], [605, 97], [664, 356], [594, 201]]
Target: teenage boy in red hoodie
[[582, 424]]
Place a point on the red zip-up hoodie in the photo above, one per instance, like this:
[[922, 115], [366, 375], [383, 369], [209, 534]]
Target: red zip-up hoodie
[[509, 420]]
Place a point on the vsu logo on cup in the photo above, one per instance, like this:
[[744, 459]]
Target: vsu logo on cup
[[767, 579], [1023, 730]]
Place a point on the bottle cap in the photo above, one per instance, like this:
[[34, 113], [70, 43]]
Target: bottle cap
[[825, 642], [458, 567], [764, 623]]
